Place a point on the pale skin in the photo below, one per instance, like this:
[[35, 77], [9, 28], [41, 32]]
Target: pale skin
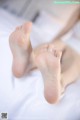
[[48, 58], [75, 17], [55, 60]]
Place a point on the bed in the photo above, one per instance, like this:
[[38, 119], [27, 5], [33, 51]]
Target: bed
[[23, 98]]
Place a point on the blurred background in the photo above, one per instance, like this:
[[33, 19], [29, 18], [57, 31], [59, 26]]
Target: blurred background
[[49, 18], [29, 9]]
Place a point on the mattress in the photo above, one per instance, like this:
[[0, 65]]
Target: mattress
[[23, 99]]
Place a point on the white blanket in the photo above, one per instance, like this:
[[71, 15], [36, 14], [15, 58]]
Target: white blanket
[[23, 98]]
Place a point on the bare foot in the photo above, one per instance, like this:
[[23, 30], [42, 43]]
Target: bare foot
[[48, 61], [21, 48]]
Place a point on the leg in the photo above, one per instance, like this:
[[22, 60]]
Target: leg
[[21, 49], [70, 75]]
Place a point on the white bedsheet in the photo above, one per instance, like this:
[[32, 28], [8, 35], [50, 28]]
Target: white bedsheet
[[23, 98]]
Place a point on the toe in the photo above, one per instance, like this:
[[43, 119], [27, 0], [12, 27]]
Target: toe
[[57, 54], [51, 47], [27, 27], [17, 28]]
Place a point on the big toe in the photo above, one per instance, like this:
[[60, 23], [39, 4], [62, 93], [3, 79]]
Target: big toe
[[27, 27]]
